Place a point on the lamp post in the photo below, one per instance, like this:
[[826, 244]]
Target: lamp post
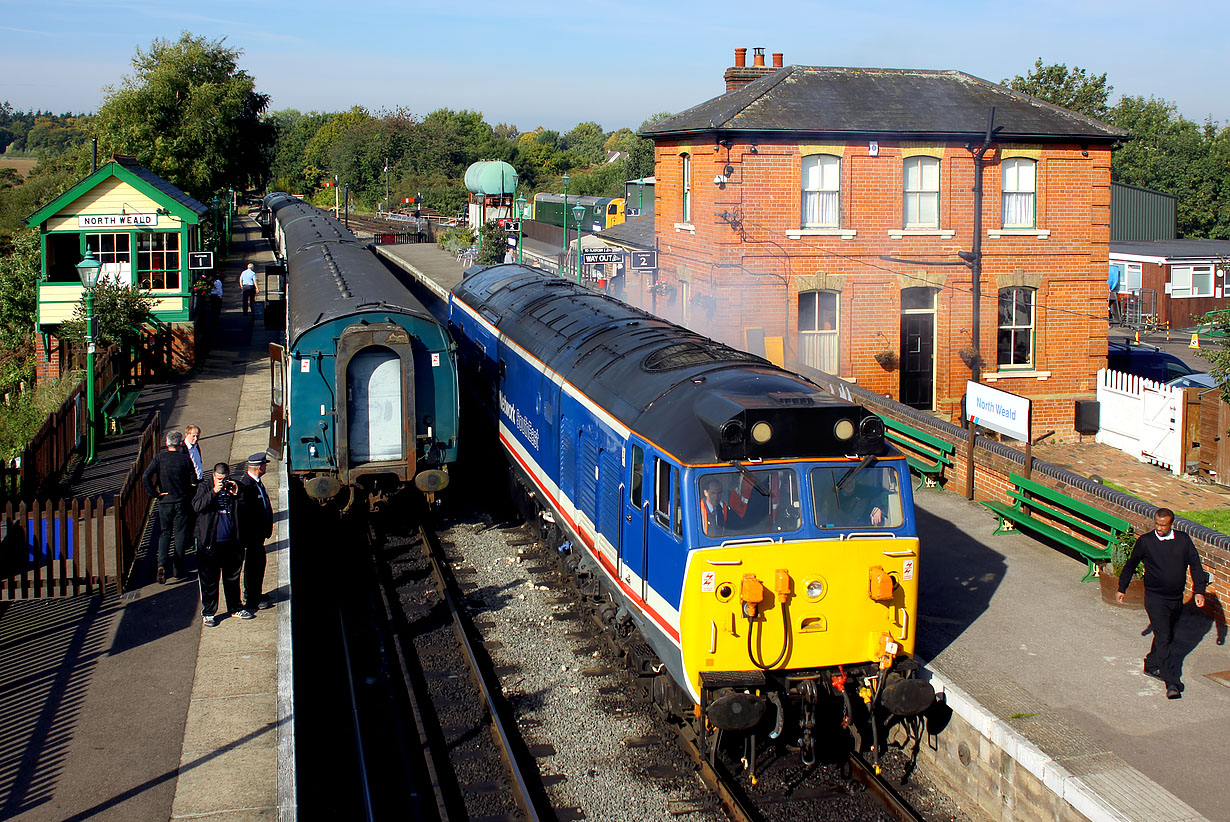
[[564, 253], [578, 211], [520, 201], [88, 270]]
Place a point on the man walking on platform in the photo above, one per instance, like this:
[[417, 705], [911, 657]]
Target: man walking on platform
[[1168, 556], [217, 544], [171, 480], [255, 526], [247, 285]]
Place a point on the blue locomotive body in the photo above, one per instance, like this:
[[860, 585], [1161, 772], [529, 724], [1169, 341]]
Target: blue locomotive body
[[702, 486], [365, 387]]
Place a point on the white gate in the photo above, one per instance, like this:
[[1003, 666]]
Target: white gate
[[1142, 418]]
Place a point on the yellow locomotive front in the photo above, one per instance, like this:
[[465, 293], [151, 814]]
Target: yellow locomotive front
[[804, 586]]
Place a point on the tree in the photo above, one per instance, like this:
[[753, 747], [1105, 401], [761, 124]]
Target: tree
[[493, 243], [189, 114], [588, 142], [119, 313], [1074, 89], [19, 272]]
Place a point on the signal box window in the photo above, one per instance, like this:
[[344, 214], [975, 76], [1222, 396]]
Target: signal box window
[[845, 498], [158, 260], [737, 503]]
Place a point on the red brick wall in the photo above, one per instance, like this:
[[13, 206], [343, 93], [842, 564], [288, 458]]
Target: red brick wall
[[748, 266]]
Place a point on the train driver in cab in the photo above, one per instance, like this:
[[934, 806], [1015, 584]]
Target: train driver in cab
[[713, 511]]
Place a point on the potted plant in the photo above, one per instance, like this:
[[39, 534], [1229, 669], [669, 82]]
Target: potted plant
[[887, 359], [970, 356], [1134, 597]]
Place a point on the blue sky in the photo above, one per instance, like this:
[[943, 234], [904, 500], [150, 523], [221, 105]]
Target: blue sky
[[558, 63]]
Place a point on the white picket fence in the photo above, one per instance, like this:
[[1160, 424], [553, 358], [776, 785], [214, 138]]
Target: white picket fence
[[1142, 418]]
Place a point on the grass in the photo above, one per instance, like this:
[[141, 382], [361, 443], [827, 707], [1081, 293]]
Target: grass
[[1216, 518], [24, 165], [1121, 489]]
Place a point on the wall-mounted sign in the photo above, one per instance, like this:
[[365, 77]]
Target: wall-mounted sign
[[998, 410], [589, 257], [198, 260], [115, 220], [644, 259]]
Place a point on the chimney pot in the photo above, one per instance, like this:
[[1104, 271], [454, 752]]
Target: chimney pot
[[758, 58], [740, 58], [777, 59]]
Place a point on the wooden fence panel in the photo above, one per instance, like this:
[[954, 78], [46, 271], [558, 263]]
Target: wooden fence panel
[[48, 549]]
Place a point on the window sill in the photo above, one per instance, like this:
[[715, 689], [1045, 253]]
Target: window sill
[[1022, 374], [688, 227], [843, 233], [1040, 233], [899, 233], [1191, 296]]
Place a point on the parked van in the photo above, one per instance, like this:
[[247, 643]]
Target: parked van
[[1146, 361]]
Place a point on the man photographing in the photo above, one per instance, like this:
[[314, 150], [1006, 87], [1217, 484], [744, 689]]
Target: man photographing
[[217, 544]]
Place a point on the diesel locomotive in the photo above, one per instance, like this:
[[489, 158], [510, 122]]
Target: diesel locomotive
[[364, 398], [754, 530]]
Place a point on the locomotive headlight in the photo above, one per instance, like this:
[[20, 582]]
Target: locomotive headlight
[[762, 432], [844, 429], [815, 589]]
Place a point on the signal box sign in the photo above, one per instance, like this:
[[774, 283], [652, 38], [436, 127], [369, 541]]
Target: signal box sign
[[198, 260], [601, 256], [644, 259]]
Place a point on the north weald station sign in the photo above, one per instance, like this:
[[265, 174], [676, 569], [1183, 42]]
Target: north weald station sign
[[115, 220]]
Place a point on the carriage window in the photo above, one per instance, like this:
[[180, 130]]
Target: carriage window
[[754, 502], [662, 491], [870, 498], [635, 493]]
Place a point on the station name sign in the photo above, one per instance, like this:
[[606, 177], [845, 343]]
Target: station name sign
[[1001, 411], [115, 220]]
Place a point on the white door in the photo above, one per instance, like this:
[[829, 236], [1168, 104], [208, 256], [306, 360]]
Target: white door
[[373, 412]]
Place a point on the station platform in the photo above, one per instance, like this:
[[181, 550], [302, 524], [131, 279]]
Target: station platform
[[1030, 656], [126, 707]]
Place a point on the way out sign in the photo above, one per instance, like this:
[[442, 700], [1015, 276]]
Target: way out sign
[[998, 410]]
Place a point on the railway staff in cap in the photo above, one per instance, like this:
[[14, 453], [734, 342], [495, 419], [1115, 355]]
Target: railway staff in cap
[[1168, 556], [217, 544], [255, 526], [247, 284]]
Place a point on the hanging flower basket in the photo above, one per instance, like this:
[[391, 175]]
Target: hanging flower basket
[[970, 356], [887, 359]]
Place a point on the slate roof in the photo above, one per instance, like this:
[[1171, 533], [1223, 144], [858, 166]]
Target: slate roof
[[1174, 249], [638, 231], [874, 102], [174, 192]]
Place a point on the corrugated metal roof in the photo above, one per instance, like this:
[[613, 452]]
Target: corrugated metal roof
[[1174, 249], [874, 101]]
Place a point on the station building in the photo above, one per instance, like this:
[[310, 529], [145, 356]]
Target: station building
[[825, 216], [141, 228]]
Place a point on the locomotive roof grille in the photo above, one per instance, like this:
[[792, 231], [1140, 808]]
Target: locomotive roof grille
[[683, 355]]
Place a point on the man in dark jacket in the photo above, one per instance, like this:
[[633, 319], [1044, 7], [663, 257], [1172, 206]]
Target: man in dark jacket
[[1168, 556], [217, 544], [255, 526], [171, 479]]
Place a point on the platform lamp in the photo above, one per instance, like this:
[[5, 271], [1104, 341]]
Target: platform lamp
[[578, 211], [88, 270], [564, 253], [520, 201]]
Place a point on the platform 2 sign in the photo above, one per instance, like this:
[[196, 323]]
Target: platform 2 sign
[[644, 259], [1001, 411], [198, 260]]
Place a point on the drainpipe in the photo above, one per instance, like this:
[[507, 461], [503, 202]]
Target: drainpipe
[[974, 259]]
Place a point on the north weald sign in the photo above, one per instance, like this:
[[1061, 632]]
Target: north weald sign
[[998, 410], [594, 257]]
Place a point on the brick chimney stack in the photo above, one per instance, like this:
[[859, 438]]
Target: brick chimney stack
[[740, 74]]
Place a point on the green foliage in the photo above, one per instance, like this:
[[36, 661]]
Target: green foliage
[[453, 240], [492, 244], [1219, 356], [19, 272], [1120, 551], [190, 115], [26, 411], [119, 312], [1074, 89]]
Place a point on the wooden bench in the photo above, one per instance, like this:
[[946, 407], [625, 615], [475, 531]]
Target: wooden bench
[[1037, 507], [117, 405], [925, 453]]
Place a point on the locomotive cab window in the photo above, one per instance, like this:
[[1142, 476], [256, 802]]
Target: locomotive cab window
[[636, 490], [662, 491], [870, 498], [741, 503]]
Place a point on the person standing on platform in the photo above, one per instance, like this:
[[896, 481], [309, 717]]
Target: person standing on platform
[[247, 284], [1168, 556], [217, 544], [215, 298], [171, 480], [192, 435], [255, 526]]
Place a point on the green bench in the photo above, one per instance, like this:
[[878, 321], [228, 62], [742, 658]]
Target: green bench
[[1037, 507], [925, 453], [117, 405]]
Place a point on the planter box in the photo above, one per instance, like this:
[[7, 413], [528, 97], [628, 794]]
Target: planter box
[[1133, 597]]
